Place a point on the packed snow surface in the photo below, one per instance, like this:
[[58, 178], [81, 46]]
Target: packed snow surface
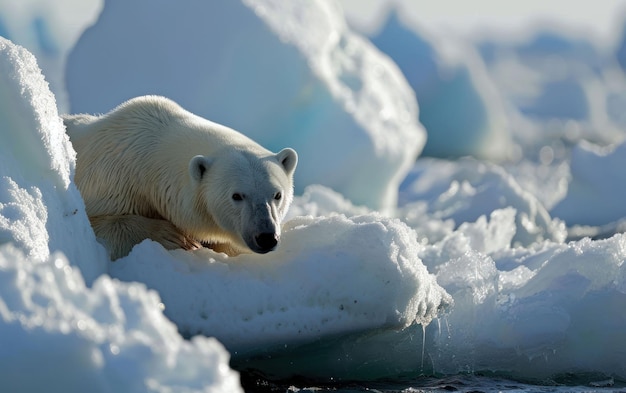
[[388, 266]]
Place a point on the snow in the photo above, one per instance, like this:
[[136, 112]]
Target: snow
[[40, 206], [331, 276], [56, 332], [388, 266]]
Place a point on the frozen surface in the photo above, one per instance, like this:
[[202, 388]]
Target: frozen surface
[[55, 332], [41, 210], [286, 74], [467, 189], [521, 299], [59, 335], [331, 276], [532, 312]]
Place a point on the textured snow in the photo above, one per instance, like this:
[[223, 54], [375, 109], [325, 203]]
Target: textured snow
[[331, 276], [55, 332], [41, 210], [476, 251]]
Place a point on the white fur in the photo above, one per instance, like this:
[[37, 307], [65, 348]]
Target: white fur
[[150, 169]]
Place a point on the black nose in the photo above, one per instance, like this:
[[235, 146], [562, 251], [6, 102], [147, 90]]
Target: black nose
[[266, 241]]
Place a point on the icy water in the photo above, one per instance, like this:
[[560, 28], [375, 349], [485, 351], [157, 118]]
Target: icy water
[[459, 383], [273, 372]]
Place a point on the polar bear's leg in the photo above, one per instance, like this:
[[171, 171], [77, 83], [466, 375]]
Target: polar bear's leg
[[121, 233], [225, 248]]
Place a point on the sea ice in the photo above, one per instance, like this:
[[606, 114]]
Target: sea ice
[[525, 302], [330, 276], [466, 189]]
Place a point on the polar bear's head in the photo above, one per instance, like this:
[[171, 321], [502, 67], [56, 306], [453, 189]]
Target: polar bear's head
[[247, 194]]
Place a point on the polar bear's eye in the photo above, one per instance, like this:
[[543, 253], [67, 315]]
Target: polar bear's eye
[[237, 197], [278, 195]]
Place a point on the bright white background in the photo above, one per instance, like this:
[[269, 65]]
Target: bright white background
[[600, 19]]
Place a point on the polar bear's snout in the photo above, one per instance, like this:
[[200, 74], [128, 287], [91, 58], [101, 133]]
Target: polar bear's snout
[[261, 224], [264, 239], [265, 242]]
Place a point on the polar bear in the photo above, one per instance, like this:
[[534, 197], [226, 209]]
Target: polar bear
[[151, 170]]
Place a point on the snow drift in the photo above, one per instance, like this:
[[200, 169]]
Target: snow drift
[[55, 332]]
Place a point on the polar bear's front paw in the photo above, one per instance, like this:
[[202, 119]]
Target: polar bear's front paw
[[178, 240], [120, 233], [171, 237]]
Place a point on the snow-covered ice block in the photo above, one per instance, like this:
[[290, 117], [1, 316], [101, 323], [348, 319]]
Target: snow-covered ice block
[[532, 313], [41, 210], [48, 30], [467, 189], [553, 71], [284, 73], [330, 276], [558, 86], [58, 335]]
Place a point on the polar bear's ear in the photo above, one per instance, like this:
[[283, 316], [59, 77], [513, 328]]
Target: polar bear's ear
[[288, 158], [198, 167]]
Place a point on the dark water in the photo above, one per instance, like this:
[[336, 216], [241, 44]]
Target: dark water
[[255, 383], [390, 362]]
